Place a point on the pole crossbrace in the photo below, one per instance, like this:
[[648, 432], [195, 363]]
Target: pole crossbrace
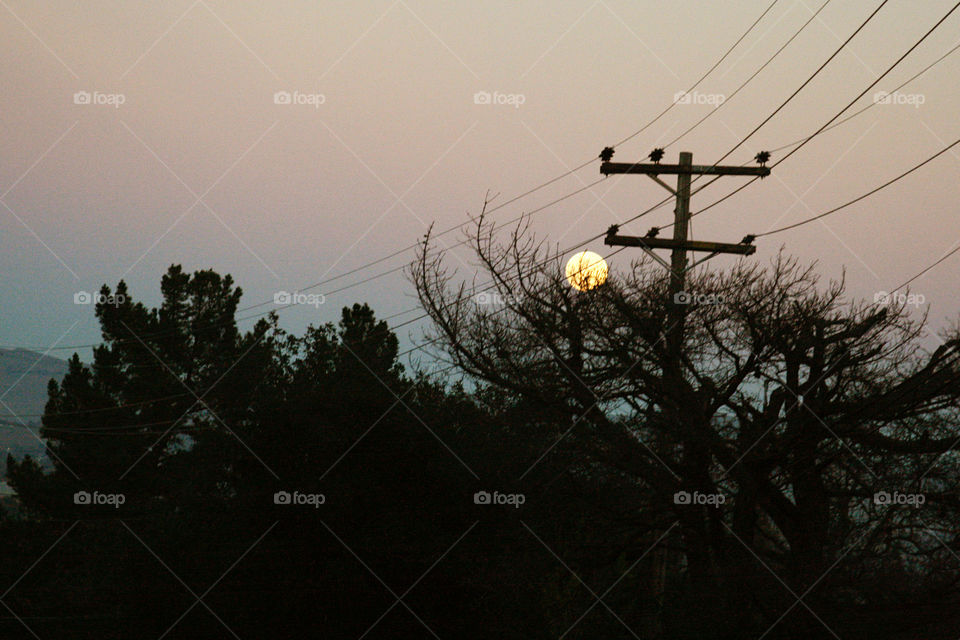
[[655, 169]]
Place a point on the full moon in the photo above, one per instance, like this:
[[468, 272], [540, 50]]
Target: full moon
[[586, 270]]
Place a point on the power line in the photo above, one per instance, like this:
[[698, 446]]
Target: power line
[[872, 84], [344, 288], [418, 347], [101, 409], [440, 234], [415, 319], [588, 186], [797, 144], [748, 80], [872, 103], [504, 204], [702, 78], [661, 203], [861, 197], [580, 244], [802, 142], [460, 226], [551, 181], [925, 270], [758, 127], [458, 244], [768, 118], [827, 126], [805, 82]]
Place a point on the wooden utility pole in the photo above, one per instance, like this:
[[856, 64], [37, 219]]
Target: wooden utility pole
[[678, 257], [678, 300], [679, 245]]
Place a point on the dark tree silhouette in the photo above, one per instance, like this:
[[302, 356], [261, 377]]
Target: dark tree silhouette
[[798, 409], [198, 425]]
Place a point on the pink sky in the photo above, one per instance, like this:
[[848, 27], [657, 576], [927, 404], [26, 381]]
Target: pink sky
[[292, 193]]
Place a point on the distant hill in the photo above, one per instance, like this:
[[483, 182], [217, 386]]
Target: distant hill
[[28, 373], [23, 389]]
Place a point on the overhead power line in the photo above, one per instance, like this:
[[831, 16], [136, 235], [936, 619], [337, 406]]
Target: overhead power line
[[860, 197], [748, 80], [553, 180], [805, 82], [797, 145], [872, 84], [582, 165], [766, 120], [696, 84], [460, 226], [926, 269]]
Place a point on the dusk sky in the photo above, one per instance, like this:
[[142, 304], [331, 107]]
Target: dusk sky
[[201, 166]]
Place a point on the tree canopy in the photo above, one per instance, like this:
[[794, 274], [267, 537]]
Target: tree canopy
[[792, 474]]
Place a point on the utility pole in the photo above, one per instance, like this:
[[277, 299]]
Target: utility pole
[[678, 300], [679, 245], [678, 257]]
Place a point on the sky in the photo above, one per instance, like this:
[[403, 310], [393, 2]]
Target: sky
[[137, 135]]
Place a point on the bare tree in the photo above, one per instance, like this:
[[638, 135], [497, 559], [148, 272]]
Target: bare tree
[[805, 447]]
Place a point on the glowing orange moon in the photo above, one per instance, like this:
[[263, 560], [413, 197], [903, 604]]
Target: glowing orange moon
[[586, 270]]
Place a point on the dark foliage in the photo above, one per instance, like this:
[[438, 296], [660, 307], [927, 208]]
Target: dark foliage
[[221, 442]]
